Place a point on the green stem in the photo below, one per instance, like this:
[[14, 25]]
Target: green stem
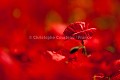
[[84, 48], [94, 77], [109, 78]]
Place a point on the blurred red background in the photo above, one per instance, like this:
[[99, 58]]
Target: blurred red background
[[24, 57]]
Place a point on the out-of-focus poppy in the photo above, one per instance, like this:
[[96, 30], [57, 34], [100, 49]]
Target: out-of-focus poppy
[[116, 76]]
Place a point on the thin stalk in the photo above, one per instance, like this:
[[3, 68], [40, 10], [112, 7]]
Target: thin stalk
[[84, 48]]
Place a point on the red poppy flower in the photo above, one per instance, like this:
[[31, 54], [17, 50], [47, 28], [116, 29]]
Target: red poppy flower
[[116, 76], [79, 31]]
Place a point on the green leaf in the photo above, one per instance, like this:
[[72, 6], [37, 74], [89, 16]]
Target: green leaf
[[75, 49]]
